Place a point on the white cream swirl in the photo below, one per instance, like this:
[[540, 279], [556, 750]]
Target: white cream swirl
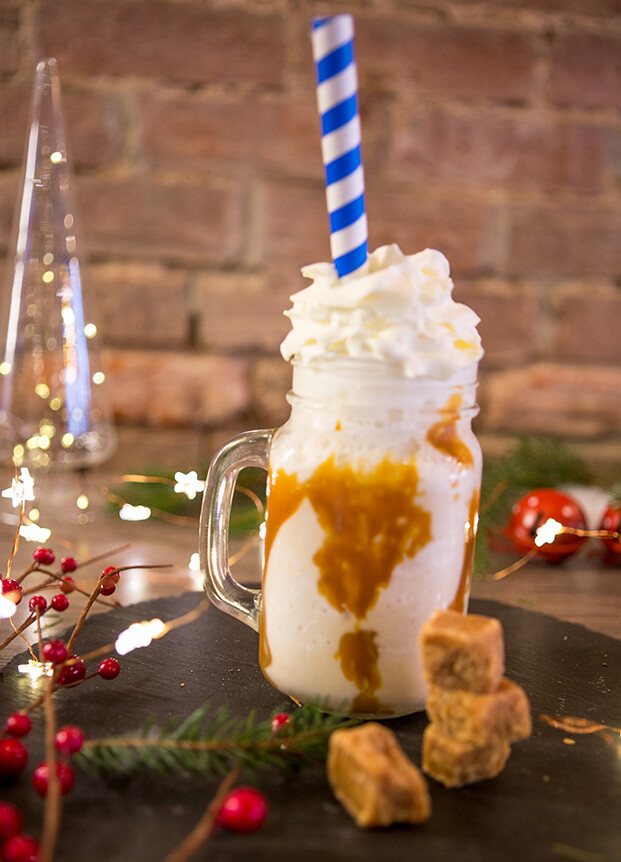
[[401, 311]]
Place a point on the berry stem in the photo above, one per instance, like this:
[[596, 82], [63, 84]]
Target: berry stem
[[27, 622], [85, 611], [205, 826], [52, 811]]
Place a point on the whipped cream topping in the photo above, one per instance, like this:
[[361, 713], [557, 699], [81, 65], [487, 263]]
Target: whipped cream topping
[[400, 310]]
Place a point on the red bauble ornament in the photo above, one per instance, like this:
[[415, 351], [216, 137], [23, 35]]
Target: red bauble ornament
[[243, 810], [41, 777], [68, 564], [533, 510], [13, 756], [107, 587], [611, 521]]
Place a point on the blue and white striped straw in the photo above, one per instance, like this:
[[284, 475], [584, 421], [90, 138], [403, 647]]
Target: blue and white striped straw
[[337, 100]]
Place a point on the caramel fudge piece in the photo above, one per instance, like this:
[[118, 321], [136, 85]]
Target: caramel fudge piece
[[373, 779], [463, 651], [454, 763], [481, 719]]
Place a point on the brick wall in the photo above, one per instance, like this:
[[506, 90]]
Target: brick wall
[[491, 130]]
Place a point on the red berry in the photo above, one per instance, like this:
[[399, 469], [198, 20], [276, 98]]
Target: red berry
[[60, 602], [109, 668], [45, 556], [107, 587], [112, 574], [37, 603], [41, 777], [20, 848], [72, 673], [18, 724], [243, 810], [69, 739], [280, 720], [11, 821], [12, 590], [13, 756], [533, 510], [55, 651], [67, 585], [68, 564]]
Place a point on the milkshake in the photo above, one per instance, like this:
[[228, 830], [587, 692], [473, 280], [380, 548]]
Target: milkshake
[[373, 483]]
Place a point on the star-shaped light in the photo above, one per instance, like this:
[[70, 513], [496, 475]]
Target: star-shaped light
[[189, 484], [548, 532], [7, 608], [21, 489], [34, 533]]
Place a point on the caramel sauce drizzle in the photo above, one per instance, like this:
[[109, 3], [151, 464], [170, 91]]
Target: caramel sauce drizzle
[[359, 655], [370, 522], [577, 725], [465, 579], [443, 434]]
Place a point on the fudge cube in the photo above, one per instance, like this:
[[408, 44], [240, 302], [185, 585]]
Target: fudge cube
[[455, 763], [481, 719], [373, 779], [463, 651]]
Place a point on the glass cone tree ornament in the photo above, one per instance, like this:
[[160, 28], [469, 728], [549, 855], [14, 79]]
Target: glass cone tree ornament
[[53, 409]]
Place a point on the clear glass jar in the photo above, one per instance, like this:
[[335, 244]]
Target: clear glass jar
[[373, 492]]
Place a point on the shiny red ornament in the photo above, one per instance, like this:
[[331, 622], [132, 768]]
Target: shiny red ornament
[[67, 585], [18, 724], [55, 651], [243, 810], [37, 603], [68, 564], [72, 673], [533, 510], [60, 602], [109, 668], [611, 521], [69, 740], [13, 756], [11, 821]]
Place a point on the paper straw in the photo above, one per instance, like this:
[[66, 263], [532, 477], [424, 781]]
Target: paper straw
[[337, 100]]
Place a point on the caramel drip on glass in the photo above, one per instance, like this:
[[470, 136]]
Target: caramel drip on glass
[[443, 434], [370, 522], [465, 579], [358, 653]]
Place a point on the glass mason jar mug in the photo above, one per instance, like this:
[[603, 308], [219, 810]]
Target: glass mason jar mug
[[372, 505]]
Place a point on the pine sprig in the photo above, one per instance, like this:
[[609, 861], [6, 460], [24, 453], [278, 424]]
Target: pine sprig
[[210, 743]]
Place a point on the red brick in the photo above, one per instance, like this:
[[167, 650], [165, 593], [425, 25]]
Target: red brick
[[445, 59], [9, 38], [588, 317], [93, 125], [509, 319], [189, 131], [166, 388], [586, 71], [293, 229], [418, 219], [238, 311], [547, 398], [162, 219], [562, 240], [495, 148], [270, 380], [178, 41], [141, 305]]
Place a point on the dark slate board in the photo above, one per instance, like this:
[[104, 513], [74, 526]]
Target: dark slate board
[[553, 801]]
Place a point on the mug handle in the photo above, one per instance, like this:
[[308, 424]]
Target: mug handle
[[246, 450]]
